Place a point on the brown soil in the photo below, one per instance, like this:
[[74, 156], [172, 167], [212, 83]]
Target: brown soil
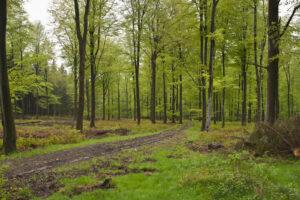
[[96, 133], [37, 173], [27, 167]]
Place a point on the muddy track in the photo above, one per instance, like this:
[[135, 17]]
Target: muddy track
[[27, 167]]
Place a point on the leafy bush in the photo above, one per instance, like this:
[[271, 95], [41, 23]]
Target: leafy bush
[[281, 139]]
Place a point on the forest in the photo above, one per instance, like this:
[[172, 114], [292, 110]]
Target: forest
[[150, 99]]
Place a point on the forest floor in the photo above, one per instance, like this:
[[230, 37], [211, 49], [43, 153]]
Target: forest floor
[[156, 162]]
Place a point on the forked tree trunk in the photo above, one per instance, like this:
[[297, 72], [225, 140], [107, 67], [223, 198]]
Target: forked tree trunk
[[82, 37]]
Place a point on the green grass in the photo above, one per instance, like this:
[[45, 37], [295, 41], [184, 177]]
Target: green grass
[[182, 174], [190, 178], [39, 136], [61, 147], [188, 175]]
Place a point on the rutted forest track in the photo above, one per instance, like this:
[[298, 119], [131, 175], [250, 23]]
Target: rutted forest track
[[27, 167]]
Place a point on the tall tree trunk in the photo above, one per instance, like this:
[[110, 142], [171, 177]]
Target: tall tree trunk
[[261, 62], [134, 101], [165, 117], [112, 107], [9, 131], [203, 78], [238, 100], [258, 77], [153, 87], [180, 100], [127, 98], [249, 112], [273, 61], [288, 84], [103, 100], [215, 107], [82, 52], [173, 93], [108, 104], [244, 79], [119, 100], [211, 64], [75, 83], [93, 78], [47, 92], [87, 93], [201, 31], [37, 91], [177, 96], [23, 97], [224, 88], [137, 95]]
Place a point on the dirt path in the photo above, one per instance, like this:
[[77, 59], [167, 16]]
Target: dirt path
[[27, 167]]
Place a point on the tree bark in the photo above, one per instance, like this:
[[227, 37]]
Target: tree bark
[[82, 37], [224, 88], [103, 100], [93, 76], [258, 77], [134, 101], [211, 64], [244, 78], [9, 130], [119, 100], [87, 93], [203, 79], [153, 86], [180, 100], [165, 117], [288, 84], [261, 61], [75, 83], [273, 61], [173, 93], [127, 97]]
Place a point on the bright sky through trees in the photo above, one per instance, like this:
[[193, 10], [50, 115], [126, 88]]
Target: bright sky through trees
[[38, 10]]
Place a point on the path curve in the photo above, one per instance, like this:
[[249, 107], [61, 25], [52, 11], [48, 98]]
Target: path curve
[[26, 167]]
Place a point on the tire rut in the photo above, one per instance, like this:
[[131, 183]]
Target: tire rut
[[27, 167]]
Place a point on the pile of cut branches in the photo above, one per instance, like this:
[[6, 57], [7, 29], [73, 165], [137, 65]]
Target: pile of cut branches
[[283, 138]]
